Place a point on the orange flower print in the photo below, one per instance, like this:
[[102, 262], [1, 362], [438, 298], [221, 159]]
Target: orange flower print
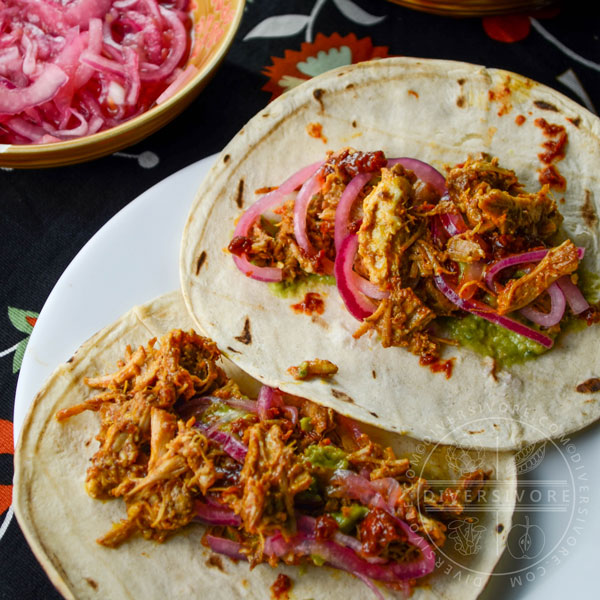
[[314, 58]]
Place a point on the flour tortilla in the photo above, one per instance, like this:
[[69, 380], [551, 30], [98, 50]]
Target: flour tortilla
[[439, 112], [61, 522]]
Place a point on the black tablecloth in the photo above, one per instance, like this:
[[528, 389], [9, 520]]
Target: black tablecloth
[[48, 215]]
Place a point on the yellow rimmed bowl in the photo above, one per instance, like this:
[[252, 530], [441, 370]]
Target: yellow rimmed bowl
[[223, 18]]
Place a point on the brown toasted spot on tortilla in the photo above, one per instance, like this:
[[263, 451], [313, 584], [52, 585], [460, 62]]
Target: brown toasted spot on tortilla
[[413, 93], [239, 199], [233, 350], [349, 86], [499, 528], [87, 443], [318, 95], [341, 396], [71, 359], [374, 414], [520, 119], [201, 260], [374, 373], [226, 158], [461, 81], [576, 121], [478, 431], [353, 123], [245, 337], [587, 210], [589, 386], [91, 583], [215, 561], [543, 105], [266, 114], [460, 101]]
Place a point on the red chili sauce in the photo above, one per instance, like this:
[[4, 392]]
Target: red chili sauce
[[437, 366], [312, 303]]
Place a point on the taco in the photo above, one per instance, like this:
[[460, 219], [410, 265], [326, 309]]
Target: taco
[[170, 449], [456, 214]]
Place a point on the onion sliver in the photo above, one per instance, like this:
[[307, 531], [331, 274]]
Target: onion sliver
[[344, 207], [216, 514], [424, 171], [44, 88], [453, 224], [305, 195], [268, 202], [225, 546], [557, 309], [518, 259], [359, 306], [573, 295], [486, 312]]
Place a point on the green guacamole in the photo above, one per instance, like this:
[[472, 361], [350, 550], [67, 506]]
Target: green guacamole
[[347, 520], [291, 289], [486, 338], [329, 457]]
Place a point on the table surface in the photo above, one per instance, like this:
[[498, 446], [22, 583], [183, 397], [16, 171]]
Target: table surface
[[48, 215]]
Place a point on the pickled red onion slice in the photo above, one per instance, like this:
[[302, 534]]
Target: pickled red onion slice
[[342, 212], [268, 202], [359, 306], [424, 171], [305, 195], [486, 312], [43, 89], [557, 309], [518, 259], [573, 295]]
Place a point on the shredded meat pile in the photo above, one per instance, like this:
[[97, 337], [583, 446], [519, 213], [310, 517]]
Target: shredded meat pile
[[168, 417], [404, 242]]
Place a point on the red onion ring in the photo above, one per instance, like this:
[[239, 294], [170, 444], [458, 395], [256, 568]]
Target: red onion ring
[[225, 546], [212, 514], [518, 259], [573, 295], [359, 306], [557, 309], [344, 207], [305, 195], [486, 312], [43, 89], [268, 202], [424, 171]]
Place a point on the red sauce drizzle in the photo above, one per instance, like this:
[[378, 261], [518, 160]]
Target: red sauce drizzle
[[239, 245], [351, 164], [552, 177], [312, 303], [281, 587], [555, 151], [436, 365], [325, 527]]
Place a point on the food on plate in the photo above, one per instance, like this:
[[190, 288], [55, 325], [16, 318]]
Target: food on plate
[[73, 68], [151, 420], [409, 247], [455, 216]]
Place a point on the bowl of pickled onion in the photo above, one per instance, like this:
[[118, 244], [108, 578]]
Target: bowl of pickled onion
[[80, 79]]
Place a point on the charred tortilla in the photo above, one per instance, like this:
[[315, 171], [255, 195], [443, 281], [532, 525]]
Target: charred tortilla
[[439, 112], [61, 522]]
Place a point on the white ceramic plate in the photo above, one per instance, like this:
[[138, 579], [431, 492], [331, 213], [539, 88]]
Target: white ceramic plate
[[110, 275], [130, 260]]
